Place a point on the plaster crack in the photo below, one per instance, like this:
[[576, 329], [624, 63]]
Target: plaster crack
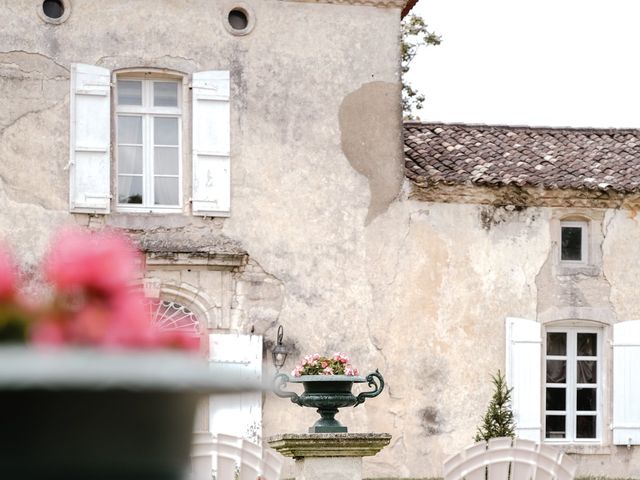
[[4, 129], [399, 251], [606, 224], [65, 68]]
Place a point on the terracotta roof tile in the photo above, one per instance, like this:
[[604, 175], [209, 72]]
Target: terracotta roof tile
[[595, 159]]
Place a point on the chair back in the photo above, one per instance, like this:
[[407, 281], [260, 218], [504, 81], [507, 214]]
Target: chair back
[[510, 459]]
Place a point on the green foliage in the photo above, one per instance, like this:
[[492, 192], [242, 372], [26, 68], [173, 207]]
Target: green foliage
[[498, 420], [415, 34]]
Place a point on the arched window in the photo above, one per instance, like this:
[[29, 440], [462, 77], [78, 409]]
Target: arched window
[[168, 315]]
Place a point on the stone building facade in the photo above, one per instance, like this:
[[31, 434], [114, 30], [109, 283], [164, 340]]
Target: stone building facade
[[301, 212], [522, 247]]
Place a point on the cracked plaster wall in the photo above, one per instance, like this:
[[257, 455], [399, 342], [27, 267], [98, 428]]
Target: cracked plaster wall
[[445, 276]]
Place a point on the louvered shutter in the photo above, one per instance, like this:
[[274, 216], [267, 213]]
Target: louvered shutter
[[523, 372], [626, 387], [211, 144], [236, 414], [90, 139]]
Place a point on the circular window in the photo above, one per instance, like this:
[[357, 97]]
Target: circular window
[[239, 19], [53, 8], [54, 11]]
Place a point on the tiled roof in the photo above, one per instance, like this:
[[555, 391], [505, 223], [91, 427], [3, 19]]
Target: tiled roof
[[595, 159]]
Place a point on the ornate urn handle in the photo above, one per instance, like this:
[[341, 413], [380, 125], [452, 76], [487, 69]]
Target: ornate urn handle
[[280, 381], [379, 386]]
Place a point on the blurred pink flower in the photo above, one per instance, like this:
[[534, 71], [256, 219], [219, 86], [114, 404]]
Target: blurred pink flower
[[327, 371], [8, 275], [105, 262]]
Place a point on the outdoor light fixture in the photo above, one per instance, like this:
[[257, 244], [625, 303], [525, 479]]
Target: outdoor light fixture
[[279, 352]]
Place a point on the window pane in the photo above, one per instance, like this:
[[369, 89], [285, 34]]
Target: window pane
[[586, 426], [165, 94], [165, 191], [555, 426], [129, 92], [165, 161], [556, 343], [129, 189], [571, 243], [556, 399], [165, 131], [556, 371], [129, 159], [587, 371], [587, 344], [586, 399], [129, 130]]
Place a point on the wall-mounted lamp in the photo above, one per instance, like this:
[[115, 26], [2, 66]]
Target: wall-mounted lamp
[[279, 352]]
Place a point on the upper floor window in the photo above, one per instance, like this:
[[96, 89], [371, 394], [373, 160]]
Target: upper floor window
[[149, 141], [574, 242], [146, 123]]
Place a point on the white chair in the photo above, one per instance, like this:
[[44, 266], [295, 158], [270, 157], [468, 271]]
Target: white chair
[[239, 459], [510, 459]]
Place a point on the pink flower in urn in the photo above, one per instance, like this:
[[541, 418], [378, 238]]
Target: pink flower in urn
[[350, 370], [297, 371], [327, 371], [315, 356], [341, 357], [324, 364]]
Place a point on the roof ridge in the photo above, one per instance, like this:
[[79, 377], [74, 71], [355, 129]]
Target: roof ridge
[[609, 130]]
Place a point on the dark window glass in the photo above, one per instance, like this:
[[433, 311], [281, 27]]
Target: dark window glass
[[556, 343], [556, 398], [555, 426], [53, 8], [587, 344], [587, 371], [586, 399], [238, 19], [586, 426], [556, 371], [571, 243]]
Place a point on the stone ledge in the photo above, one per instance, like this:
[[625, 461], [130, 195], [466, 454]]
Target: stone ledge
[[367, 3], [298, 445]]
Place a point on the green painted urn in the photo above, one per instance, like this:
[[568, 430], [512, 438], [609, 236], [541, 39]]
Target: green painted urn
[[328, 393]]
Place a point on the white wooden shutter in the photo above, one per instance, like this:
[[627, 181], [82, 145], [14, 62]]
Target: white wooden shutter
[[523, 372], [236, 414], [211, 144], [90, 139], [626, 387]]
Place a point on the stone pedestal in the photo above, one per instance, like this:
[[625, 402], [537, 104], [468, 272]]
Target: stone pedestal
[[329, 456]]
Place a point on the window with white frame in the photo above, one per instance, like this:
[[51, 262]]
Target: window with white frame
[[560, 393], [149, 141], [148, 119], [572, 384], [574, 242]]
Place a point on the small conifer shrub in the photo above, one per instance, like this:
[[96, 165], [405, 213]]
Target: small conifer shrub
[[498, 420]]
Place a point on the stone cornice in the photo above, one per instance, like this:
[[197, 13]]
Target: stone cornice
[[524, 196], [369, 3]]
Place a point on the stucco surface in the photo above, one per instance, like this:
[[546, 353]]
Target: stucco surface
[[339, 253]]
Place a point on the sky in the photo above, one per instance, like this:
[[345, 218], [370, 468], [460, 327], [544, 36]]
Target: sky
[[541, 63]]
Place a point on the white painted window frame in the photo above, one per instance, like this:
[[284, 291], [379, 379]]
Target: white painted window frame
[[147, 111], [572, 385], [584, 248]]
